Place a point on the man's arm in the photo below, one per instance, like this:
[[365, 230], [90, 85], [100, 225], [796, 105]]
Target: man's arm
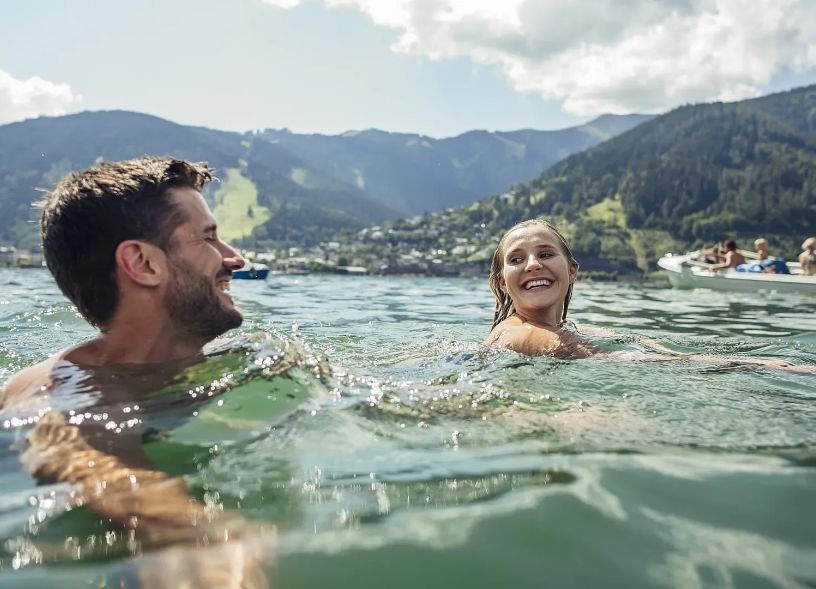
[[723, 265], [157, 508]]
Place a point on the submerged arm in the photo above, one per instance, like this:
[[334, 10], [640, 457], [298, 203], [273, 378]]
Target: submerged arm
[[156, 507]]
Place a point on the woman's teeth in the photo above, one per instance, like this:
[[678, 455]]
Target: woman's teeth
[[535, 283]]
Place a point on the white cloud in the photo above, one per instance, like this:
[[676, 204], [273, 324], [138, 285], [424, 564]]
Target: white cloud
[[23, 99], [612, 55], [389, 13], [285, 4]]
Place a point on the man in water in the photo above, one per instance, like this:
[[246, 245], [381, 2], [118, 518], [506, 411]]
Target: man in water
[[135, 247]]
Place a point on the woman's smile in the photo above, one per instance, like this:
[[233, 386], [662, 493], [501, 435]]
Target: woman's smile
[[537, 283]]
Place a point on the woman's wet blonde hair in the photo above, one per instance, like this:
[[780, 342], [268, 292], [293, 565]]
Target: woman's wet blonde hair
[[504, 304]]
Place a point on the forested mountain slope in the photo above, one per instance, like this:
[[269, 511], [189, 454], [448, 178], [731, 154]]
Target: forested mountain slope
[[698, 173], [35, 154]]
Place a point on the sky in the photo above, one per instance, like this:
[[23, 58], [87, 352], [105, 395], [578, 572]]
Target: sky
[[437, 67]]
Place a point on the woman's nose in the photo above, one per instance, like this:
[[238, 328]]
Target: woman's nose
[[533, 262]]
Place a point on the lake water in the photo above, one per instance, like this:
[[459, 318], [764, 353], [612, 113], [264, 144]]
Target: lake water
[[424, 460]]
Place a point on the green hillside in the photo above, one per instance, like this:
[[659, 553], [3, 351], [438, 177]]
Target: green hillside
[[35, 154], [236, 206], [699, 173]]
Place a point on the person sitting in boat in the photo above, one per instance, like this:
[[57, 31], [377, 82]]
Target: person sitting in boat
[[764, 262], [807, 259], [761, 249], [711, 255], [732, 257]]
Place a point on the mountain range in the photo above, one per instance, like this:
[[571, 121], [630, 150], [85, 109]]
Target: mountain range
[[624, 188], [413, 173], [283, 188]]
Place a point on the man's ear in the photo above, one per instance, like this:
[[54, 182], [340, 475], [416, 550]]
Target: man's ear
[[141, 262], [573, 273]]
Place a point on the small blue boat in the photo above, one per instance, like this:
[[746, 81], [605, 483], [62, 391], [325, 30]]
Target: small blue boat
[[251, 271]]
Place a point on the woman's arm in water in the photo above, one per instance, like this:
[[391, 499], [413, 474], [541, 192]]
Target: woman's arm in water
[[513, 334]]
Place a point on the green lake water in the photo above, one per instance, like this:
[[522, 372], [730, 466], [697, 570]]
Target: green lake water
[[390, 449]]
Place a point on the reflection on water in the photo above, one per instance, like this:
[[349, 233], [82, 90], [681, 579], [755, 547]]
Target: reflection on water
[[387, 445]]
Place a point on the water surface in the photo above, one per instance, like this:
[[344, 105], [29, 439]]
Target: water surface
[[390, 448]]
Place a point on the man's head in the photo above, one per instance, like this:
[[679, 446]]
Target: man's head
[[200, 268], [761, 244], [730, 245], [90, 217]]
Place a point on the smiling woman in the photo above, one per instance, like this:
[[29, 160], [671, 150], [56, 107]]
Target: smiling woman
[[532, 275]]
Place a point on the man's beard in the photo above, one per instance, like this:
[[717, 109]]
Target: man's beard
[[193, 304]]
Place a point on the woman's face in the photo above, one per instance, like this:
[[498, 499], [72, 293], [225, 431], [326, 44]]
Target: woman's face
[[536, 273]]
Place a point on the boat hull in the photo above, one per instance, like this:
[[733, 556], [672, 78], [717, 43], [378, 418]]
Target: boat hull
[[251, 272], [683, 273]]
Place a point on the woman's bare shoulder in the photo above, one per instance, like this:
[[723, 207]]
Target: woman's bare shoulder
[[497, 332], [520, 336]]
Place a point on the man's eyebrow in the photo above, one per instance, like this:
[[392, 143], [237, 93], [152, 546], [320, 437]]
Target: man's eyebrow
[[211, 228]]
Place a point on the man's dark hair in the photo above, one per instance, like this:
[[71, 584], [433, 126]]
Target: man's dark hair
[[89, 213], [730, 245]]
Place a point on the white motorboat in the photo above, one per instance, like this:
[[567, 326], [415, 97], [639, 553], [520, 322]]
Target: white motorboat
[[688, 271]]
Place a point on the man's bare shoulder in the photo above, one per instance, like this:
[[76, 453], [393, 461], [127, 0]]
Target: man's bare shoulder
[[25, 383]]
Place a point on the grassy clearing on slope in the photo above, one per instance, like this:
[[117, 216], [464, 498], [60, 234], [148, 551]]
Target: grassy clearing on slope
[[609, 210], [236, 206], [647, 244]]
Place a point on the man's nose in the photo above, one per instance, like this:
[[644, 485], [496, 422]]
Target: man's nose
[[232, 259]]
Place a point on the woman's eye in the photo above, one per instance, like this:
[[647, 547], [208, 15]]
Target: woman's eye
[[545, 255], [515, 260]]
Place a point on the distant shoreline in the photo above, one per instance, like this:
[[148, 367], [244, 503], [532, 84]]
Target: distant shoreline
[[588, 276]]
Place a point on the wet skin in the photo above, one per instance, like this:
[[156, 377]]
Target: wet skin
[[170, 304], [537, 274]]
